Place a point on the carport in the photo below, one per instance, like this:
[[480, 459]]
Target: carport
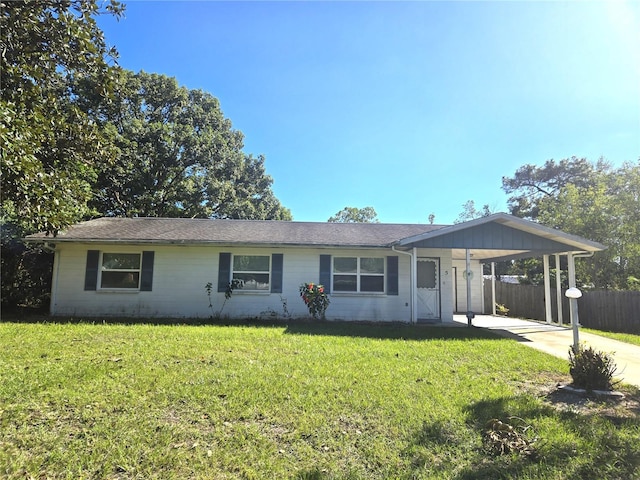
[[503, 237]]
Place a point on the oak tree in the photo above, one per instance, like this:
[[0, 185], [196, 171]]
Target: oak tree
[[178, 155]]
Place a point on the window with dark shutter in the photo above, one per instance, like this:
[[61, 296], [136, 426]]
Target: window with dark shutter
[[392, 275], [224, 271], [276, 272], [91, 270]]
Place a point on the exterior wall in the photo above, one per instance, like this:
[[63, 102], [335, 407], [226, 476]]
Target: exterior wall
[[476, 286], [180, 274]]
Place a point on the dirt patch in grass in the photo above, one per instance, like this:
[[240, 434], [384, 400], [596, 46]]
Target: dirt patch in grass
[[547, 386], [626, 407]]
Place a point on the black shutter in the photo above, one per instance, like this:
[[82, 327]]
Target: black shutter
[[224, 271], [276, 272], [325, 272], [392, 275], [146, 276], [91, 270]]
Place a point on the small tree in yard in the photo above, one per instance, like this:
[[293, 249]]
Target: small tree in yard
[[315, 298]]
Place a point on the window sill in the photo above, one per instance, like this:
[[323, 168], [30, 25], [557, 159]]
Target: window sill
[[357, 294], [251, 292], [118, 290]]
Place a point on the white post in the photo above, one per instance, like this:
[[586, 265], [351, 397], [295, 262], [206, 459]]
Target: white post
[[414, 281], [559, 289], [468, 275], [493, 288], [573, 302], [547, 289]]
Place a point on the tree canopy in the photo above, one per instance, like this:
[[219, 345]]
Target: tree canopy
[[50, 147], [531, 184], [178, 156], [592, 200], [355, 215]]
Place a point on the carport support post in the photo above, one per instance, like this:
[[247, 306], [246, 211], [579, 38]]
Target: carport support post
[[468, 275], [573, 302], [414, 285], [493, 288], [559, 288], [547, 289]]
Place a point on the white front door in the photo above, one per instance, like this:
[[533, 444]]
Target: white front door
[[428, 291]]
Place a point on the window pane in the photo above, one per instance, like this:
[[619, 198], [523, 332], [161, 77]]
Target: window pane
[[121, 261], [120, 280], [252, 281], [345, 283], [427, 274], [371, 265], [372, 283], [345, 265], [251, 263]]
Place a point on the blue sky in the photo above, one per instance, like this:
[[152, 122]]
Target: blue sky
[[412, 108]]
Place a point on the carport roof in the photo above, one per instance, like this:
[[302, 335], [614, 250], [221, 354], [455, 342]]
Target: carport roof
[[501, 237]]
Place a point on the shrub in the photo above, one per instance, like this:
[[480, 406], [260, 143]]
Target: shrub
[[501, 309], [591, 369], [315, 299]]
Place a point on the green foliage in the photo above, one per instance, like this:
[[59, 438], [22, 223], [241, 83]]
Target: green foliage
[[227, 295], [178, 156], [355, 215], [530, 183], [26, 272], [49, 147], [592, 200], [501, 309], [591, 369], [315, 298], [50, 150]]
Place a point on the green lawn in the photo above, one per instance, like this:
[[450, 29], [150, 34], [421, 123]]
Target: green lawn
[[623, 337], [305, 401]]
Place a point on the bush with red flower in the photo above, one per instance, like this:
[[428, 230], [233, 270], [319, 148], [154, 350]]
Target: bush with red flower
[[315, 299]]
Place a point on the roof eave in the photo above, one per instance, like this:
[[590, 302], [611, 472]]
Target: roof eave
[[198, 243]]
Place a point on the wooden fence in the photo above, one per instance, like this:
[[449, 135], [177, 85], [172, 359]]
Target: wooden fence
[[616, 311]]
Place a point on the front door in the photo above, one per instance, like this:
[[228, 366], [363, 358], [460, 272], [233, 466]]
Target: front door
[[428, 291]]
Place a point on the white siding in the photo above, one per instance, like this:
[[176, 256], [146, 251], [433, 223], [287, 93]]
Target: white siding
[[180, 274]]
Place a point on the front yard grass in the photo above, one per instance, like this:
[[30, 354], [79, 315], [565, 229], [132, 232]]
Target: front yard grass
[[622, 337], [304, 401]]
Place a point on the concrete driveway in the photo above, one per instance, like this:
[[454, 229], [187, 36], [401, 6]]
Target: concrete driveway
[[556, 340]]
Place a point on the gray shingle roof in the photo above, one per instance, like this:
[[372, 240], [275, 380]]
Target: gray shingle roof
[[228, 232]]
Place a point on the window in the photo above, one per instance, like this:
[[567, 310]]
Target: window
[[120, 270], [358, 274], [251, 272]]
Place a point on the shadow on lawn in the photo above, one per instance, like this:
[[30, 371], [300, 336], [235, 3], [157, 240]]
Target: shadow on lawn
[[393, 331], [579, 445], [302, 326]]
